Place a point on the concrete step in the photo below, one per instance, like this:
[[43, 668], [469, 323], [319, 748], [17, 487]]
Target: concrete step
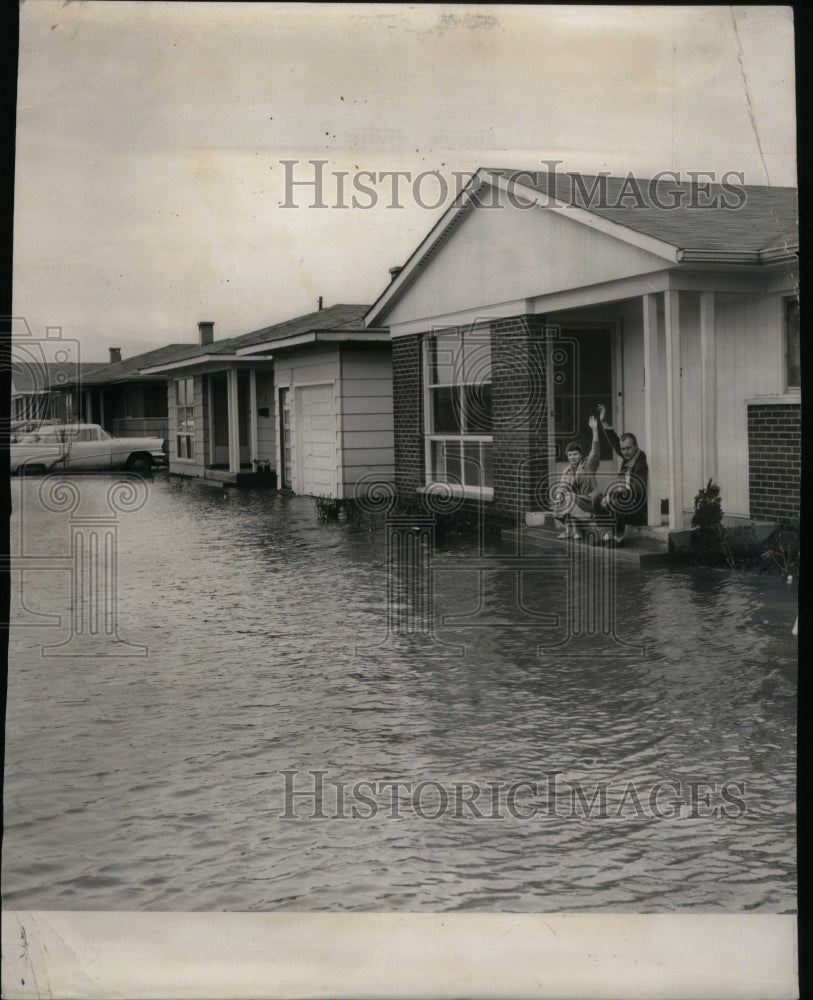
[[634, 551]]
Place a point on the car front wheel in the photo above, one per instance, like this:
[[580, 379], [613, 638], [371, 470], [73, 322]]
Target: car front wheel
[[139, 463]]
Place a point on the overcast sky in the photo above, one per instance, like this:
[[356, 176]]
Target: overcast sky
[[149, 184]]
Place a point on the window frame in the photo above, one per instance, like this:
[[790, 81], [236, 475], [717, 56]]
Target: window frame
[[788, 302], [433, 438], [188, 409]]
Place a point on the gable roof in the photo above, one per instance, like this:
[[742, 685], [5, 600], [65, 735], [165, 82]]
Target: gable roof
[[680, 221]]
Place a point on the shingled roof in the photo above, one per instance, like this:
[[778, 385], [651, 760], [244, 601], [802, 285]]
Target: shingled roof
[[336, 318], [759, 218], [128, 369], [41, 376]]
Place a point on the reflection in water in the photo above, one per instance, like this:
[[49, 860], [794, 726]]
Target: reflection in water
[[156, 783]]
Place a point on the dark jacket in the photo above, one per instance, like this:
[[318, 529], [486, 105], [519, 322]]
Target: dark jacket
[[635, 474]]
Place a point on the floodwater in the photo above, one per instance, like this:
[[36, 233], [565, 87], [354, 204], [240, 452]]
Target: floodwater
[[651, 769]]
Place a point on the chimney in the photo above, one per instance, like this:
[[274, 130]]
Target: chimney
[[320, 303], [206, 333], [115, 355], [395, 271]]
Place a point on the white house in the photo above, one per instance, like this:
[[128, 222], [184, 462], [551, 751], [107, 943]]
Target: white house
[[674, 304]]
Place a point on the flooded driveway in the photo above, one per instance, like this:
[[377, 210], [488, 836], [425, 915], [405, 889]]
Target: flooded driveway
[[266, 744]]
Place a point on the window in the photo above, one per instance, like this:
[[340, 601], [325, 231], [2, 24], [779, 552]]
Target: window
[[459, 410], [793, 363], [184, 418], [285, 437]]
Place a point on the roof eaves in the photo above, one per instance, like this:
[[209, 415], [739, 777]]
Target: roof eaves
[[196, 359], [335, 335]]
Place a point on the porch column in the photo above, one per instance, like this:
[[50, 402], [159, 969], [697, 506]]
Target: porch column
[[234, 424], [88, 406], [253, 448], [674, 408], [653, 396], [708, 388], [101, 407]]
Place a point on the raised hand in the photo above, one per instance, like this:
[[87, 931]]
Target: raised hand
[[602, 412], [592, 421]]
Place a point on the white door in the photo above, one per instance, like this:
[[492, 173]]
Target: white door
[[315, 432]]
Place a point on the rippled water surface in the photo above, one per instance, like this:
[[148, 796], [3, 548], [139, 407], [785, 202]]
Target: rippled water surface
[[155, 782]]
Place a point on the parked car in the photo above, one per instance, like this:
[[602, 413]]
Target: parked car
[[21, 428], [83, 447]]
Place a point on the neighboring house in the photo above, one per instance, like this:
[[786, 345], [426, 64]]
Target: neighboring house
[[309, 399], [38, 387], [123, 400], [535, 297]]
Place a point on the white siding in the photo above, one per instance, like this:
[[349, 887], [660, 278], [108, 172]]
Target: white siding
[[750, 348], [690, 379], [502, 254], [367, 423], [266, 426]]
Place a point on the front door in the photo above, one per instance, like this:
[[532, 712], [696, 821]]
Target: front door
[[220, 420], [582, 377]]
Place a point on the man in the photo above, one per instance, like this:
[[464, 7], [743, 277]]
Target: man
[[624, 499], [578, 486]]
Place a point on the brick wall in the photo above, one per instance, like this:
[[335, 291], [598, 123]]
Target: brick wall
[[520, 414], [519, 407], [407, 403], [774, 461]]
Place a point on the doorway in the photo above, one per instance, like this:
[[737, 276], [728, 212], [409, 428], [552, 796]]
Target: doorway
[[582, 373]]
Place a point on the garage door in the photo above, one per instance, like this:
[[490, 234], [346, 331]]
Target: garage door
[[316, 440]]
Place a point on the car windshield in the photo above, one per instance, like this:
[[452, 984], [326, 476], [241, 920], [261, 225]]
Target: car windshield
[[104, 436]]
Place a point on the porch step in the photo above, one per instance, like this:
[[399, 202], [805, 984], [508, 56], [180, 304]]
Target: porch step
[[641, 546]]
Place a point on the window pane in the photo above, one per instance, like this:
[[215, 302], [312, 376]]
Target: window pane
[[454, 472], [477, 408], [438, 462], [793, 361], [443, 352], [472, 465], [488, 463], [446, 411], [477, 356]]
